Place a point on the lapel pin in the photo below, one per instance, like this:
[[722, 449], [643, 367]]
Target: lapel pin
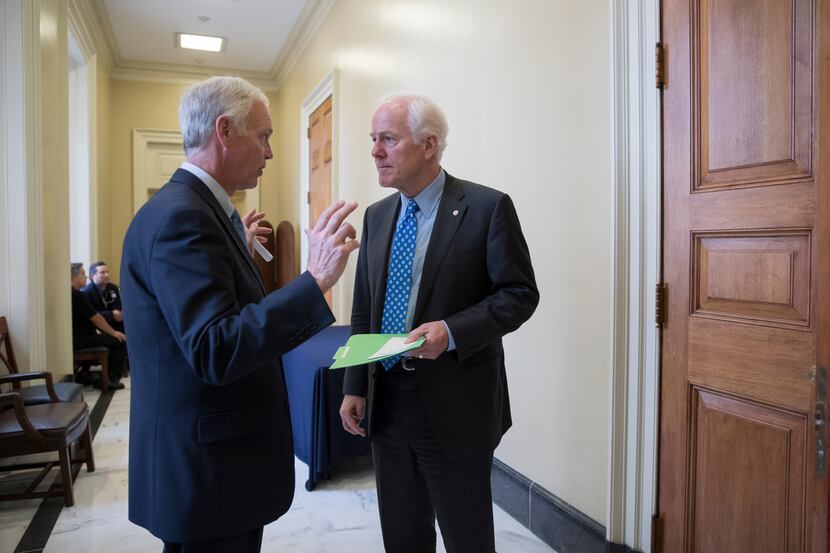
[[454, 212]]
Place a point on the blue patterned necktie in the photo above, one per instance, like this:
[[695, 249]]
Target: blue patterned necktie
[[399, 279], [240, 228]]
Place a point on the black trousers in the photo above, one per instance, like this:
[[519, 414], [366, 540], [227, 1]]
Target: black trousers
[[416, 481], [118, 351], [249, 542]]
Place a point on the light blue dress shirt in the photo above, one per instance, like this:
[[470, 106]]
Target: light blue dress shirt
[[427, 201]]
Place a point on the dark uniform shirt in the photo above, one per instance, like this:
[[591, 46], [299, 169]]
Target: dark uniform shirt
[[82, 312]]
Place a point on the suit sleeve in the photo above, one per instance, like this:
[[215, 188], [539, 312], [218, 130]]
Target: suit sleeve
[[355, 381], [191, 271], [514, 295]]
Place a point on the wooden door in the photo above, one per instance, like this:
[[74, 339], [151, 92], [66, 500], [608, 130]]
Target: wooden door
[[746, 105], [320, 144]]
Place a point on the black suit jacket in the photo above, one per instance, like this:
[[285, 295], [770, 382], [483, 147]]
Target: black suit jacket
[[112, 292], [477, 277], [211, 450]]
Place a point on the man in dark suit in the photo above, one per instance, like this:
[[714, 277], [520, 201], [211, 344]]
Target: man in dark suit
[[444, 259], [211, 457], [104, 295]]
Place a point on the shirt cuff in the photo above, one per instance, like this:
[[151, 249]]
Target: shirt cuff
[[451, 344]]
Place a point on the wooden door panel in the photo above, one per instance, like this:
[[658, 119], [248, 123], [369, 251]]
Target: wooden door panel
[[754, 452], [791, 206], [755, 277], [753, 361], [743, 252], [752, 92], [320, 164]]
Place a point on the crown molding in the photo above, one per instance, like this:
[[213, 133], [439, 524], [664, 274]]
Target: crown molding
[[92, 27], [173, 73], [307, 24]]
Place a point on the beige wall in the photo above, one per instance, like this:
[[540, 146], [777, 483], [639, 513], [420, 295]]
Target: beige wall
[[55, 171], [527, 91], [133, 105]]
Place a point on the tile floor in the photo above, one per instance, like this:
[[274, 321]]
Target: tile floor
[[338, 516]]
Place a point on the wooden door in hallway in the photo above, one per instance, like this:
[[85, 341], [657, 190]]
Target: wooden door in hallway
[[319, 159], [746, 265]]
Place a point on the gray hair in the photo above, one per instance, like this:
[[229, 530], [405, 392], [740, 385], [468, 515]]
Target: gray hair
[[424, 119], [75, 269], [205, 101]]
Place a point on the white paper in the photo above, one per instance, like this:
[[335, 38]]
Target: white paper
[[266, 255], [393, 346]]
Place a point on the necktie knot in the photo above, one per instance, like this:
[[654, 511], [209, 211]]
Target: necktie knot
[[411, 208]]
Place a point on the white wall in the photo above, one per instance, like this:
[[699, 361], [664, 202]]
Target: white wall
[[526, 86]]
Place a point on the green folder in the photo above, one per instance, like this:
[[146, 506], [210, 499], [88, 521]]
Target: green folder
[[368, 348]]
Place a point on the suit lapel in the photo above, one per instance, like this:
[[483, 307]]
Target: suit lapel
[[188, 178], [387, 215], [451, 211]]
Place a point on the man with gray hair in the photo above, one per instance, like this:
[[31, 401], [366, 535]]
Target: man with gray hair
[[443, 259], [211, 456]]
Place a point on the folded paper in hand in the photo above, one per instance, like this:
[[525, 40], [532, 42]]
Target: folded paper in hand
[[367, 348]]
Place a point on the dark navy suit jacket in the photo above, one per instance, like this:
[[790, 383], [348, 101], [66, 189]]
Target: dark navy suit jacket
[[211, 450], [478, 278]]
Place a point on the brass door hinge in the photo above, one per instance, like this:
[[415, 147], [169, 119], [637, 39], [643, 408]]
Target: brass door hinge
[[308, 197], [308, 133], [660, 304], [659, 65], [656, 533]]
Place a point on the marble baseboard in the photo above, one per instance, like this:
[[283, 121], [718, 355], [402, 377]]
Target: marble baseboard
[[555, 522]]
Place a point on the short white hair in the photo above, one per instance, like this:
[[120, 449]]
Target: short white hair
[[204, 102], [424, 118]]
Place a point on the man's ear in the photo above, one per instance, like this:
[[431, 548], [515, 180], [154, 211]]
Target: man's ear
[[223, 128], [430, 146]]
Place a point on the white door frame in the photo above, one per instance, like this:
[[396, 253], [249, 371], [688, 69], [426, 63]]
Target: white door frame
[[142, 138], [325, 88], [634, 393], [83, 158]]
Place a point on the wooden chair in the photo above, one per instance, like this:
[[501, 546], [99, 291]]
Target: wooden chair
[[99, 356], [32, 395], [47, 427], [282, 269]]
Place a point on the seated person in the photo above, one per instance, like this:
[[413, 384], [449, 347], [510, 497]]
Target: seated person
[[104, 296], [85, 326]]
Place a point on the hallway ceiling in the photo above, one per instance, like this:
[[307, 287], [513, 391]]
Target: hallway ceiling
[[255, 30]]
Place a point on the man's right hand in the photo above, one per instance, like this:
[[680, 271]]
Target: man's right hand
[[119, 336], [352, 411], [330, 243], [116, 314]]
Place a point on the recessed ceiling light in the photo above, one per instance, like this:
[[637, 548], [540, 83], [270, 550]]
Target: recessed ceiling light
[[200, 42]]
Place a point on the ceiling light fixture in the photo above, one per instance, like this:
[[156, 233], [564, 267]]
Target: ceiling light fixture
[[200, 42]]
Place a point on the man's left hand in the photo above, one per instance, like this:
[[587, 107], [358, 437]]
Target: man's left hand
[[252, 229], [436, 342]]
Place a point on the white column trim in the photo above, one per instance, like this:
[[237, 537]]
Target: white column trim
[[92, 135], [634, 418], [23, 180]]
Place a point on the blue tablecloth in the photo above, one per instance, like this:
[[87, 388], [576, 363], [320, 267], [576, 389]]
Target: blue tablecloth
[[315, 393]]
